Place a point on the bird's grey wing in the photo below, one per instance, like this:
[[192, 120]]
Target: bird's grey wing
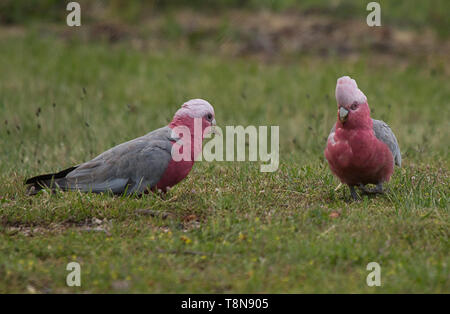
[[129, 167], [384, 133]]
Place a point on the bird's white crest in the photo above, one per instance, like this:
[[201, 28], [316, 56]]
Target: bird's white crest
[[347, 92], [195, 108]]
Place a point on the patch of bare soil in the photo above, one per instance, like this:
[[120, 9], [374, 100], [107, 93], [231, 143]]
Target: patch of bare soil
[[90, 225]]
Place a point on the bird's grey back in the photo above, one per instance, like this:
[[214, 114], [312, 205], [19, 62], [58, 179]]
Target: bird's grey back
[[128, 167]]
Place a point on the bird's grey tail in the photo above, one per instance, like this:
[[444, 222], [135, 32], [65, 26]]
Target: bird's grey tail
[[51, 180]]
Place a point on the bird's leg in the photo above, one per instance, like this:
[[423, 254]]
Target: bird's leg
[[363, 188], [377, 190], [355, 195]]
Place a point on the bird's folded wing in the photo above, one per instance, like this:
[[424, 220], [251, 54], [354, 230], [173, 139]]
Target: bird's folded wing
[[384, 133], [129, 167]]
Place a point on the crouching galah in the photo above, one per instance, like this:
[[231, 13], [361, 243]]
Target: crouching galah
[[143, 164], [360, 150]]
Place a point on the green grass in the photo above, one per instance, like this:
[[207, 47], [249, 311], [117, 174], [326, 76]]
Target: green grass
[[231, 228]]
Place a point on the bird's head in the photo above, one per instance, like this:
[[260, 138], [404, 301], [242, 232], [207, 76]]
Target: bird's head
[[353, 110], [194, 109]]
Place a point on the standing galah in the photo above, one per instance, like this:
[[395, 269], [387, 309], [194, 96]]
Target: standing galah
[[360, 150], [143, 164]]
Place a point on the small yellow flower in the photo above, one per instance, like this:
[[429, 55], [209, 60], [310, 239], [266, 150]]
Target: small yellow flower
[[185, 239]]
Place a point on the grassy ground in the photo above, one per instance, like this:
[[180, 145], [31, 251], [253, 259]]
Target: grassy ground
[[227, 227]]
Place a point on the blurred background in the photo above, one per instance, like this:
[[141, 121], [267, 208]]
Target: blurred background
[[132, 63], [243, 27]]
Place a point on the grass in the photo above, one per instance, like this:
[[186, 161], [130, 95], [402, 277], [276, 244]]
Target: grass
[[228, 228]]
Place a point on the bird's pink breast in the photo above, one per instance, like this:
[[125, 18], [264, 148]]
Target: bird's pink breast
[[178, 170], [357, 156], [175, 172]]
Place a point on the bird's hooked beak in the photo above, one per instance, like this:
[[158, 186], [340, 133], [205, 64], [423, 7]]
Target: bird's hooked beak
[[213, 124], [343, 114]]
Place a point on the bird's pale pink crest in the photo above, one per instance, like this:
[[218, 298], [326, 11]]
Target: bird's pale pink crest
[[347, 92], [195, 108]]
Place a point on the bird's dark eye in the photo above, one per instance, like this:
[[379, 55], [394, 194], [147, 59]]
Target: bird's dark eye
[[209, 117], [354, 106]]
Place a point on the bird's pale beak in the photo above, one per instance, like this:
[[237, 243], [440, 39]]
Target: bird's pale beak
[[213, 124], [343, 114]]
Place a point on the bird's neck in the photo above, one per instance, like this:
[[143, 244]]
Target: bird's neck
[[191, 128]]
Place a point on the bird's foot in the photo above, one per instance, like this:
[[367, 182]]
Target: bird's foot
[[355, 195], [378, 189]]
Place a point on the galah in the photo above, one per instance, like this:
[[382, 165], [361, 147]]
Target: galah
[[360, 150], [140, 165]]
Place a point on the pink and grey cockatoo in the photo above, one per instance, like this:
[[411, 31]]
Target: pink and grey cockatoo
[[139, 165], [360, 150]]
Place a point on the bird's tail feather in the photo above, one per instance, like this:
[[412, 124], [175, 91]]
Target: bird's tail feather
[[51, 180]]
